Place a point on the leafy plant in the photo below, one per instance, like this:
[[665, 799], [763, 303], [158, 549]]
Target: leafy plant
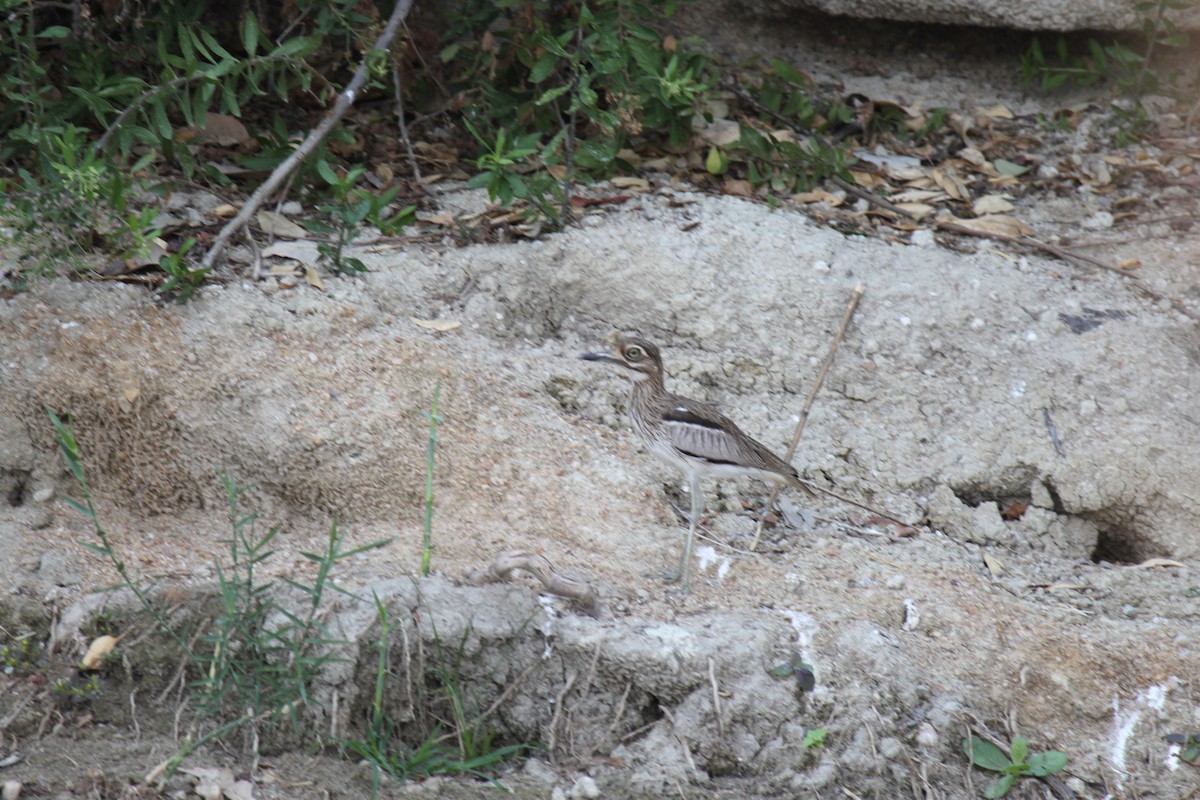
[[182, 281], [1018, 764], [383, 746], [260, 657], [349, 208], [1130, 71], [1189, 745]]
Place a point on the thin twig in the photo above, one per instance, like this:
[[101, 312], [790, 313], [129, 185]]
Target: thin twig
[[851, 307], [345, 99], [402, 122], [716, 698], [559, 702]]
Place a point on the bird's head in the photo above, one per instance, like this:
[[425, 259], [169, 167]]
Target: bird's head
[[633, 357]]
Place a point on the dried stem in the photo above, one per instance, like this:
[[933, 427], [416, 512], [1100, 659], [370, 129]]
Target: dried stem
[[851, 307], [344, 100]]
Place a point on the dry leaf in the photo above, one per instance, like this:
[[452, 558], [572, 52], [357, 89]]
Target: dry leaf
[[100, 647], [917, 196], [818, 196], [992, 204], [993, 225], [224, 210], [313, 277], [279, 225], [950, 184], [303, 250], [721, 132], [737, 187], [997, 112], [445, 219], [1159, 562], [131, 394], [440, 325], [917, 210], [627, 182], [1129, 263], [223, 130], [994, 565], [867, 180], [282, 269], [973, 157]]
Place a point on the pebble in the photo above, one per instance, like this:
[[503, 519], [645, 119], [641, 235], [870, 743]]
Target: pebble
[[923, 237], [11, 790], [585, 787]]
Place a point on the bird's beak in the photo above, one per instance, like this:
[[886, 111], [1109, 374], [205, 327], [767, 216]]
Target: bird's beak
[[598, 357]]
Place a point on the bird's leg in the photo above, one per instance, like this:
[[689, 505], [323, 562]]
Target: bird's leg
[[685, 560]]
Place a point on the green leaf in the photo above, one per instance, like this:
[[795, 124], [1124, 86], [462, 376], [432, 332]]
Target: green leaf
[[814, 737], [54, 32], [327, 174], [299, 46], [479, 181], [543, 67], [550, 94], [1000, 787], [250, 33], [448, 53], [1019, 750], [985, 754], [1047, 763]]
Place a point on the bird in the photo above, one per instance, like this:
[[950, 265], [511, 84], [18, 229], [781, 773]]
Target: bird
[[690, 435]]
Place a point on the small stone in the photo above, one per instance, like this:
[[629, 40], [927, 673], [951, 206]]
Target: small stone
[[922, 237], [11, 790], [890, 747], [895, 581], [927, 736], [585, 787], [44, 494]]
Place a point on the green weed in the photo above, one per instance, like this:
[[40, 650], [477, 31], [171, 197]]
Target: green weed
[[1018, 764], [260, 656]]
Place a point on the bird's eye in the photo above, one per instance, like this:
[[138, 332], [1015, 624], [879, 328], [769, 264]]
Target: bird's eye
[[634, 354]]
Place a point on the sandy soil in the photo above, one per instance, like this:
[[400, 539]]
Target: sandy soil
[[1051, 594]]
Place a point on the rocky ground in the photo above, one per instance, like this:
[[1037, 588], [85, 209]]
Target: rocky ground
[[1034, 418]]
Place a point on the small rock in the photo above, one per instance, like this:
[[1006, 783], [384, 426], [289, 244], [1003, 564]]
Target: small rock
[[922, 237], [585, 787], [927, 736], [11, 790], [43, 494], [1100, 221], [890, 747], [895, 581]]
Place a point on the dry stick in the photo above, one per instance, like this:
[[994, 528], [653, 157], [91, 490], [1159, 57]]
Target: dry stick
[[402, 122], [344, 100], [716, 698], [551, 739], [855, 296]]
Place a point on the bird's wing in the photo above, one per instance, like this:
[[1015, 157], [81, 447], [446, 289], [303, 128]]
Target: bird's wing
[[700, 431]]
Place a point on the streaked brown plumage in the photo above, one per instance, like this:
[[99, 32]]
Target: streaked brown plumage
[[688, 434]]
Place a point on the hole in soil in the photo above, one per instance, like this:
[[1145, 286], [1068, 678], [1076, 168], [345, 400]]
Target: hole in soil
[[1119, 545], [651, 711], [15, 485]]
